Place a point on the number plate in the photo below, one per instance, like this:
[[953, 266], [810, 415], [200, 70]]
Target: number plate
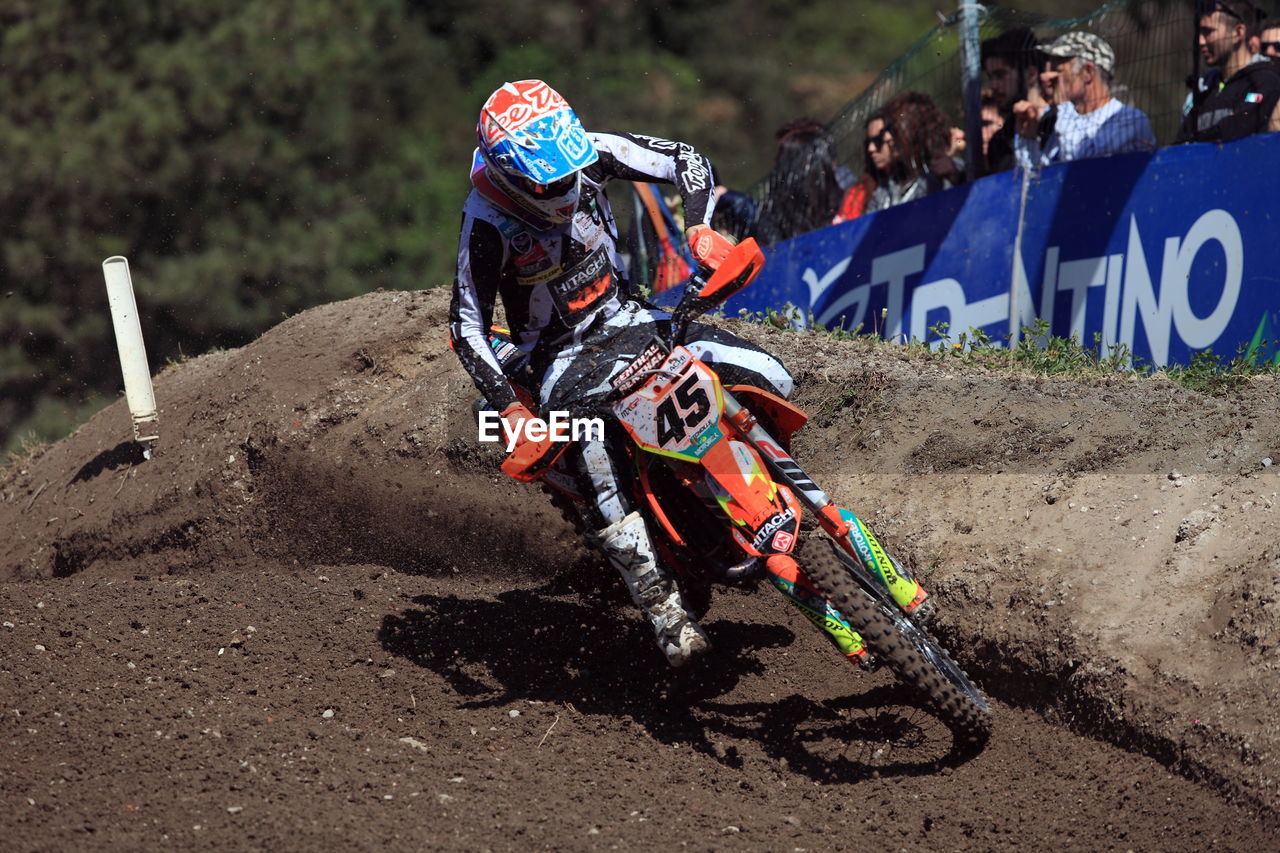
[[677, 412], [632, 376]]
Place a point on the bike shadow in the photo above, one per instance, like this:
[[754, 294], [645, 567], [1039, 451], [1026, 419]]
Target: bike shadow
[[528, 644]]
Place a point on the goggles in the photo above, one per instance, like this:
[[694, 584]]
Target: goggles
[[554, 189]]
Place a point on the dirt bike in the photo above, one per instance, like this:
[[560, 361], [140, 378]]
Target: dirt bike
[[723, 498]]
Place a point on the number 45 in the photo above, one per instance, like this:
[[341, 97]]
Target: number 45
[[693, 406]]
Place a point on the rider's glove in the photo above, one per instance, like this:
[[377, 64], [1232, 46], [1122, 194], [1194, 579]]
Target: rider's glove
[[514, 416], [709, 246], [529, 459]]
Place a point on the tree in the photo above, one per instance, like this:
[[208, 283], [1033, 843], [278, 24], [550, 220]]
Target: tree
[[251, 159]]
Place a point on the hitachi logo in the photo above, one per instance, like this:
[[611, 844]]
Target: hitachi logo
[[588, 271], [772, 526]]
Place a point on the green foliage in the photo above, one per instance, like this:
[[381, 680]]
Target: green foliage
[[249, 158], [1035, 351], [1210, 374], [253, 158]]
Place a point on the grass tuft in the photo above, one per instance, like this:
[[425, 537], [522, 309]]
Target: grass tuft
[[1038, 353]]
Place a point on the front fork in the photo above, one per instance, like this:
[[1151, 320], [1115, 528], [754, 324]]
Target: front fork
[[848, 531], [787, 577], [855, 538]]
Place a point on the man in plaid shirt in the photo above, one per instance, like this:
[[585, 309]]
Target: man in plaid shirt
[[1072, 114]]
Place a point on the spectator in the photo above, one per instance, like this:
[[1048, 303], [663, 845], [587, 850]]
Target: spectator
[[957, 147], [806, 124], [1081, 118], [1255, 34], [1269, 39], [877, 148], [918, 139], [803, 191], [805, 157], [875, 160], [1240, 93], [1011, 61], [992, 121]]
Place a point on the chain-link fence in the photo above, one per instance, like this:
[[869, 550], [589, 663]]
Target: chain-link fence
[[1155, 54], [1148, 56]]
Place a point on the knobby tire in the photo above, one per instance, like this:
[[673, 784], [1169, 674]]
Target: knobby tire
[[897, 642]]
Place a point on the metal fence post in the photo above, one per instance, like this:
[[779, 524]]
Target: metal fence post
[[971, 75]]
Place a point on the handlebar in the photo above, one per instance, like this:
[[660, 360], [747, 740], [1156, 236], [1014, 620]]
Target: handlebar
[[737, 271]]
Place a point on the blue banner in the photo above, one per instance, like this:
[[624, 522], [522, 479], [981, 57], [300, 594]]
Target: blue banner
[[1167, 253]]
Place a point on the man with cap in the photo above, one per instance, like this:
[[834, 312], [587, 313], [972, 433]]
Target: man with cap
[[1072, 114], [1240, 93]]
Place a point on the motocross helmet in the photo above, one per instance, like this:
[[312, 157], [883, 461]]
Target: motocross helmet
[[532, 150]]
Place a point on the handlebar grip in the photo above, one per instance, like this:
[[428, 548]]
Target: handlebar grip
[[531, 459], [736, 271]]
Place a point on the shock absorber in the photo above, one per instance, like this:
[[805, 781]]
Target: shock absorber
[[787, 578]]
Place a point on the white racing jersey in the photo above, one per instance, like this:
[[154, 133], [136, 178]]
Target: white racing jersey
[[558, 283]]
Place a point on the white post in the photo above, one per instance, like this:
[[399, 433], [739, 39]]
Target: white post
[[133, 355]]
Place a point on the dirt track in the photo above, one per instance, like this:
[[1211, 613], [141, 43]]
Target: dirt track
[[319, 534]]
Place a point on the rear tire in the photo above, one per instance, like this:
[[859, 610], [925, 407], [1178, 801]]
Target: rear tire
[[905, 647]]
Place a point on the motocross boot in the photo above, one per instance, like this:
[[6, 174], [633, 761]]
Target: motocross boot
[[628, 547]]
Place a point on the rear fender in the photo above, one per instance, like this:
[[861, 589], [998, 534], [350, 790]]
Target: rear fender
[[533, 459]]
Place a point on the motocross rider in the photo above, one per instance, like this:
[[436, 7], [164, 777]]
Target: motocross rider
[[537, 231]]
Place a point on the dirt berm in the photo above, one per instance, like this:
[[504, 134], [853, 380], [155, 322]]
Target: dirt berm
[[320, 611]]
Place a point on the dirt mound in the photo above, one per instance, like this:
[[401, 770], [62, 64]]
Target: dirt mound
[[319, 605]]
